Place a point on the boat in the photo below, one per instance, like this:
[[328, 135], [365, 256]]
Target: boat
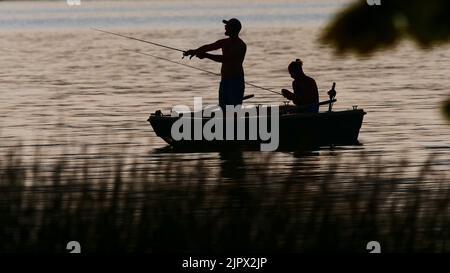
[[297, 129]]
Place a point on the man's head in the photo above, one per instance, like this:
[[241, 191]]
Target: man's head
[[232, 27], [295, 68]]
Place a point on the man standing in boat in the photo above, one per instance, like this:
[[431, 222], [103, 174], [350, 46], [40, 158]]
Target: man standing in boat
[[232, 84]]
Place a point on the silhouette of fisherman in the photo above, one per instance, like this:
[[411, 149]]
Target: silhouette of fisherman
[[305, 88], [232, 84]]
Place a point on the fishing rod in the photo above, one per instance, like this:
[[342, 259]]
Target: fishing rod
[[200, 69], [140, 40], [176, 49], [203, 70], [165, 59], [263, 88]]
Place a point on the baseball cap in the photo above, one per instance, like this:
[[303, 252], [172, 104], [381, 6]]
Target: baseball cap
[[233, 23]]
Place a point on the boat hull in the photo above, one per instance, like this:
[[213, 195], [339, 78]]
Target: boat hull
[[296, 130]]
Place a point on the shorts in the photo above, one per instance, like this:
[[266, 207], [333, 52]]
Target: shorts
[[231, 91]]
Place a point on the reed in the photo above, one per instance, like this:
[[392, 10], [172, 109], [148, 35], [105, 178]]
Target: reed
[[171, 207]]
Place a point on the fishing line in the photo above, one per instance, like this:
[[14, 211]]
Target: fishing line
[[200, 69]]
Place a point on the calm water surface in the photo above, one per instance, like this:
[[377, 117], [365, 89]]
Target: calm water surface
[[65, 86]]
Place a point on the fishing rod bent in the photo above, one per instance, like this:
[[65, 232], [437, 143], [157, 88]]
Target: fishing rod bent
[[200, 69]]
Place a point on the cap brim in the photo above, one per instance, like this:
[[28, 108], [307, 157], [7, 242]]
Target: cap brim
[[225, 21]]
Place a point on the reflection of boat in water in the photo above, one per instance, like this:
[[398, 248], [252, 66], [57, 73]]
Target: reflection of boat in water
[[296, 129]]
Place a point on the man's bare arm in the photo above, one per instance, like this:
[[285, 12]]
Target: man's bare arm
[[289, 95], [210, 47], [213, 57], [203, 49], [235, 56]]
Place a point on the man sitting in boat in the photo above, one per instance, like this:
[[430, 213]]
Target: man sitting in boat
[[232, 85], [306, 94]]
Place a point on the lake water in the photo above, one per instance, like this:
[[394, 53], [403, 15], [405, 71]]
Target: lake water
[[65, 86]]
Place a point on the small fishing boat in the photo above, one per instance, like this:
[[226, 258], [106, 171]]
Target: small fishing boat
[[296, 129]]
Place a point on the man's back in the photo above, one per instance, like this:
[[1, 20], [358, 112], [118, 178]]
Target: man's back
[[306, 90]]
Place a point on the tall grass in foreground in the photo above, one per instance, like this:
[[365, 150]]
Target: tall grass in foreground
[[170, 208]]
